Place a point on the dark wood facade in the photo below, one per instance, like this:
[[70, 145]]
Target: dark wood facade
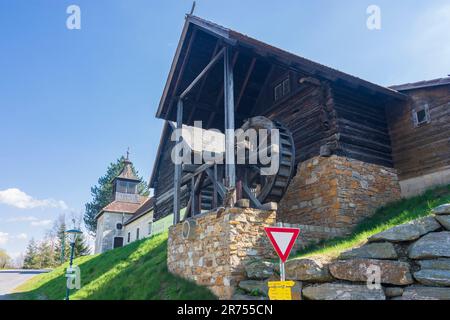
[[327, 111], [348, 122], [162, 176], [421, 149]]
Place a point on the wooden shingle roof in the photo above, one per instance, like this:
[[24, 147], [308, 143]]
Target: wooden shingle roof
[[127, 172], [145, 208], [422, 84]]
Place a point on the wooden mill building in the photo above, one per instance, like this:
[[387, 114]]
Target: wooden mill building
[[355, 145]]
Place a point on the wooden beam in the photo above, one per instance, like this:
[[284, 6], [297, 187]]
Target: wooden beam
[[193, 205], [208, 67], [183, 66], [177, 171], [220, 96], [219, 188], [193, 192], [207, 107], [202, 84], [215, 194], [263, 88], [244, 85], [251, 196], [230, 168]]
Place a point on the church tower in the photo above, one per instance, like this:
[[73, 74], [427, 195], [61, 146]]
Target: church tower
[[126, 201], [125, 184]]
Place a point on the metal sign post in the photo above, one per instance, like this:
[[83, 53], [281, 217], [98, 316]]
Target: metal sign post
[[282, 271], [283, 240]]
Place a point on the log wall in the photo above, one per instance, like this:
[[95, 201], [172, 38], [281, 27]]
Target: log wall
[[426, 148]]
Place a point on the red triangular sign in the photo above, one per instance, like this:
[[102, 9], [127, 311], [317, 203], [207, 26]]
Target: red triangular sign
[[283, 240]]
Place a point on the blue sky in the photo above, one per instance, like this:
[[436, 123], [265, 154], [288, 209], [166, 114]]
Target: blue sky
[[72, 101]]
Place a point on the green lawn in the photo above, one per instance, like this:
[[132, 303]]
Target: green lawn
[[394, 214], [135, 272], [139, 270]]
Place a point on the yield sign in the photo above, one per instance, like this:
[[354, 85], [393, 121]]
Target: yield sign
[[283, 240]]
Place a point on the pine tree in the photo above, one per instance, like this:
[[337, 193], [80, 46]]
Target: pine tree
[[102, 193], [62, 249], [31, 255], [81, 246], [44, 256]]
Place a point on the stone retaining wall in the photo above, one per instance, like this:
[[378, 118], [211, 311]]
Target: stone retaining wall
[[219, 246], [336, 193], [411, 262]]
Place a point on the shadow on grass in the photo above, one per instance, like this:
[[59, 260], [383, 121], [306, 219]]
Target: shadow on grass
[[135, 272]]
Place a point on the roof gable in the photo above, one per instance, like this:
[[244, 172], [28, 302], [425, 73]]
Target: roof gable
[[194, 25]]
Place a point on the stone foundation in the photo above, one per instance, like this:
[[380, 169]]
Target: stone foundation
[[417, 185], [330, 195], [218, 246]]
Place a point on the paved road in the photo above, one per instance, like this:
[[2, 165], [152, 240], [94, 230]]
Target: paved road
[[11, 279]]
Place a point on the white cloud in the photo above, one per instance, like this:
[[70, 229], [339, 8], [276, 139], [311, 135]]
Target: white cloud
[[41, 223], [19, 199], [4, 237], [21, 236], [22, 219]]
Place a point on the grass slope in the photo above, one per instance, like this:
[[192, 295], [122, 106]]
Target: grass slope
[[135, 272], [139, 270], [387, 217]]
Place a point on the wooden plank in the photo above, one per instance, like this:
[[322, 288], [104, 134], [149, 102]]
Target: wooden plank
[[230, 169], [263, 89], [215, 194], [244, 84], [216, 183], [251, 196], [177, 171], [424, 149], [220, 96], [183, 66], [203, 73], [202, 84]]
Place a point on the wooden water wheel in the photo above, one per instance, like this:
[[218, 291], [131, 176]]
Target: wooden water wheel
[[207, 188], [262, 188]]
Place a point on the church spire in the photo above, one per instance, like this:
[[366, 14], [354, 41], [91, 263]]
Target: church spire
[[125, 185], [127, 172]]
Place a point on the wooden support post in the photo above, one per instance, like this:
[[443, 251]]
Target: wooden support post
[[193, 202], [215, 194], [230, 169], [198, 209], [178, 167], [239, 190]]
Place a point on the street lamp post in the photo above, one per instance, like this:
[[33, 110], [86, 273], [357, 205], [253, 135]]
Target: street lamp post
[[73, 235]]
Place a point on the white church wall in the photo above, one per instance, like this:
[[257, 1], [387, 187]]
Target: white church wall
[[107, 230], [144, 224]]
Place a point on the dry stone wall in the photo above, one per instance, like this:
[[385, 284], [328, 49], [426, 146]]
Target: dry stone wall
[[330, 195], [413, 261], [219, 245]]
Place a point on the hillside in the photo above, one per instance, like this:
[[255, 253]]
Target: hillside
[[386, 217], [135, 272], [139, 271]]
